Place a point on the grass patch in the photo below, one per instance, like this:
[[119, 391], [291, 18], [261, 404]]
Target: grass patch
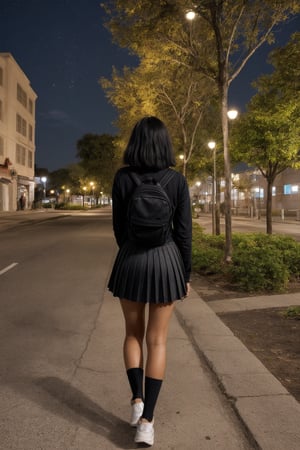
[[293, 312]]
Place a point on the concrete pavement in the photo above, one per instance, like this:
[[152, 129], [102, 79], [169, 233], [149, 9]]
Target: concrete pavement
[[264, 406], [217, 394]]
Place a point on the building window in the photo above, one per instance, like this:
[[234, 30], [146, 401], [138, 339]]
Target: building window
[[1, 76], [30, 132], [21, 125], [1, 110], [1, 146], [24, 127], [21, 95], [23, 156], [20, 154], [290, 189], [30, 106], [30, 159], [259, 192]]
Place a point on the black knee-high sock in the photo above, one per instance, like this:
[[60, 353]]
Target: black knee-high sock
[[152, 388], [135, 378]]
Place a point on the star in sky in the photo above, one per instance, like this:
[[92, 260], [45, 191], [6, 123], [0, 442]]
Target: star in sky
[[64, 49]]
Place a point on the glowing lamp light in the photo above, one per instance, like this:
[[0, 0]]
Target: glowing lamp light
[[190, 15], [232, 114]]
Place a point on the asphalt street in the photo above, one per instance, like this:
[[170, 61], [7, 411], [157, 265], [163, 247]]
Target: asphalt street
[[62, 380]]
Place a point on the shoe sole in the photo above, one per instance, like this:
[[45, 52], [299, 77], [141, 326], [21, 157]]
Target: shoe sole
[[144, 441]]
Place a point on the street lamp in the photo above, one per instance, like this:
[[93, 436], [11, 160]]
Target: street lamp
[[182, 158], [190, 15], [44, 181], [212, 146], [84, 190], [68, 195], [197, 208], [92, 184], [232, 114]]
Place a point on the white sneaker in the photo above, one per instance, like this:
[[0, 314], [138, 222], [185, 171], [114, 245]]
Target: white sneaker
[[136, 412], [145, 433]]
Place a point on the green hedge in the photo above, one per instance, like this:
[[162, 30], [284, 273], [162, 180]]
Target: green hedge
[[260, 262]]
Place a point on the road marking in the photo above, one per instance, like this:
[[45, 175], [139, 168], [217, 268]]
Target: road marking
[[6, 269]]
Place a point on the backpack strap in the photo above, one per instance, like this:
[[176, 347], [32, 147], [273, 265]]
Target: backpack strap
[[163, 182], [166, 178], [135, 178]]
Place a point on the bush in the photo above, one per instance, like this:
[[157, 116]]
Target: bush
[[47, 205], [260, 262], [69, 206], [207, 252], [258, 267]]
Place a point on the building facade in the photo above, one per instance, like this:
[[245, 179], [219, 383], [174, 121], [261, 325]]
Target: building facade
[[249, 193], [17, 136]]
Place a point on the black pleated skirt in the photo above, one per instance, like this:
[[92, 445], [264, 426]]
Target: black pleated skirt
[[148, 275]]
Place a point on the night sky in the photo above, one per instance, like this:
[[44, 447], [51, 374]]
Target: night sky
[[63, 48]]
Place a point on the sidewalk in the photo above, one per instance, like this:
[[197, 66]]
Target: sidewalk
[[267, 410], [217, 394]]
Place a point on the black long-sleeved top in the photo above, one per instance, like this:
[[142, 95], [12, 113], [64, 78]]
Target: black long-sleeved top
[[178, 193]]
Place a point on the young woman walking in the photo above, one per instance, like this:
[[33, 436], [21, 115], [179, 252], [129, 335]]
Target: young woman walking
[[155, 275]]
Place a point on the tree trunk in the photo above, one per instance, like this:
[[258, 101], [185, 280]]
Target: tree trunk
[[269, 207], [218, 225], [227, 169], [184, 168]]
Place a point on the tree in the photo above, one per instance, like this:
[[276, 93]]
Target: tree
[[98, 159], [268, 135], [238, 28], [232, 32], [164, 89]]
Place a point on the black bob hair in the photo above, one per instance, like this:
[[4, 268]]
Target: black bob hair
[[149, 146]]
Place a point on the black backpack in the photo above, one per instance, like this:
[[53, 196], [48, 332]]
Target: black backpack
[[150, 211]]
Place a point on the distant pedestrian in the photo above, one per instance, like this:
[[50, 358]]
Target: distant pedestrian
[[22, 202], [142, 274]]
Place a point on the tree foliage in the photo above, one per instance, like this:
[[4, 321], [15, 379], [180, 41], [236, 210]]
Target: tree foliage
[[217, 44], [268, 134], [66, 178], [169, 91], [98, 159]]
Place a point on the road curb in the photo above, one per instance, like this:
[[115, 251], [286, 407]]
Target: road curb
[[269, 414]]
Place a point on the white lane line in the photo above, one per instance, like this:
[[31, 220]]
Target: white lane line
[[6, 269]]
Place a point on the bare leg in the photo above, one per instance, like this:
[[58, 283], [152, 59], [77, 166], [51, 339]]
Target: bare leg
[[156, 339], [134, 314]]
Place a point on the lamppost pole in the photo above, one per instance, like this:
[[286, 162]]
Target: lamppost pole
[[92, 184], [212, 146], [44, 181], [84, 189]]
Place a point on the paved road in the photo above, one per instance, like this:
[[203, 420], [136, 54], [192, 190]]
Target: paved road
[[53, 276], [62, 381], [63, 384]]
